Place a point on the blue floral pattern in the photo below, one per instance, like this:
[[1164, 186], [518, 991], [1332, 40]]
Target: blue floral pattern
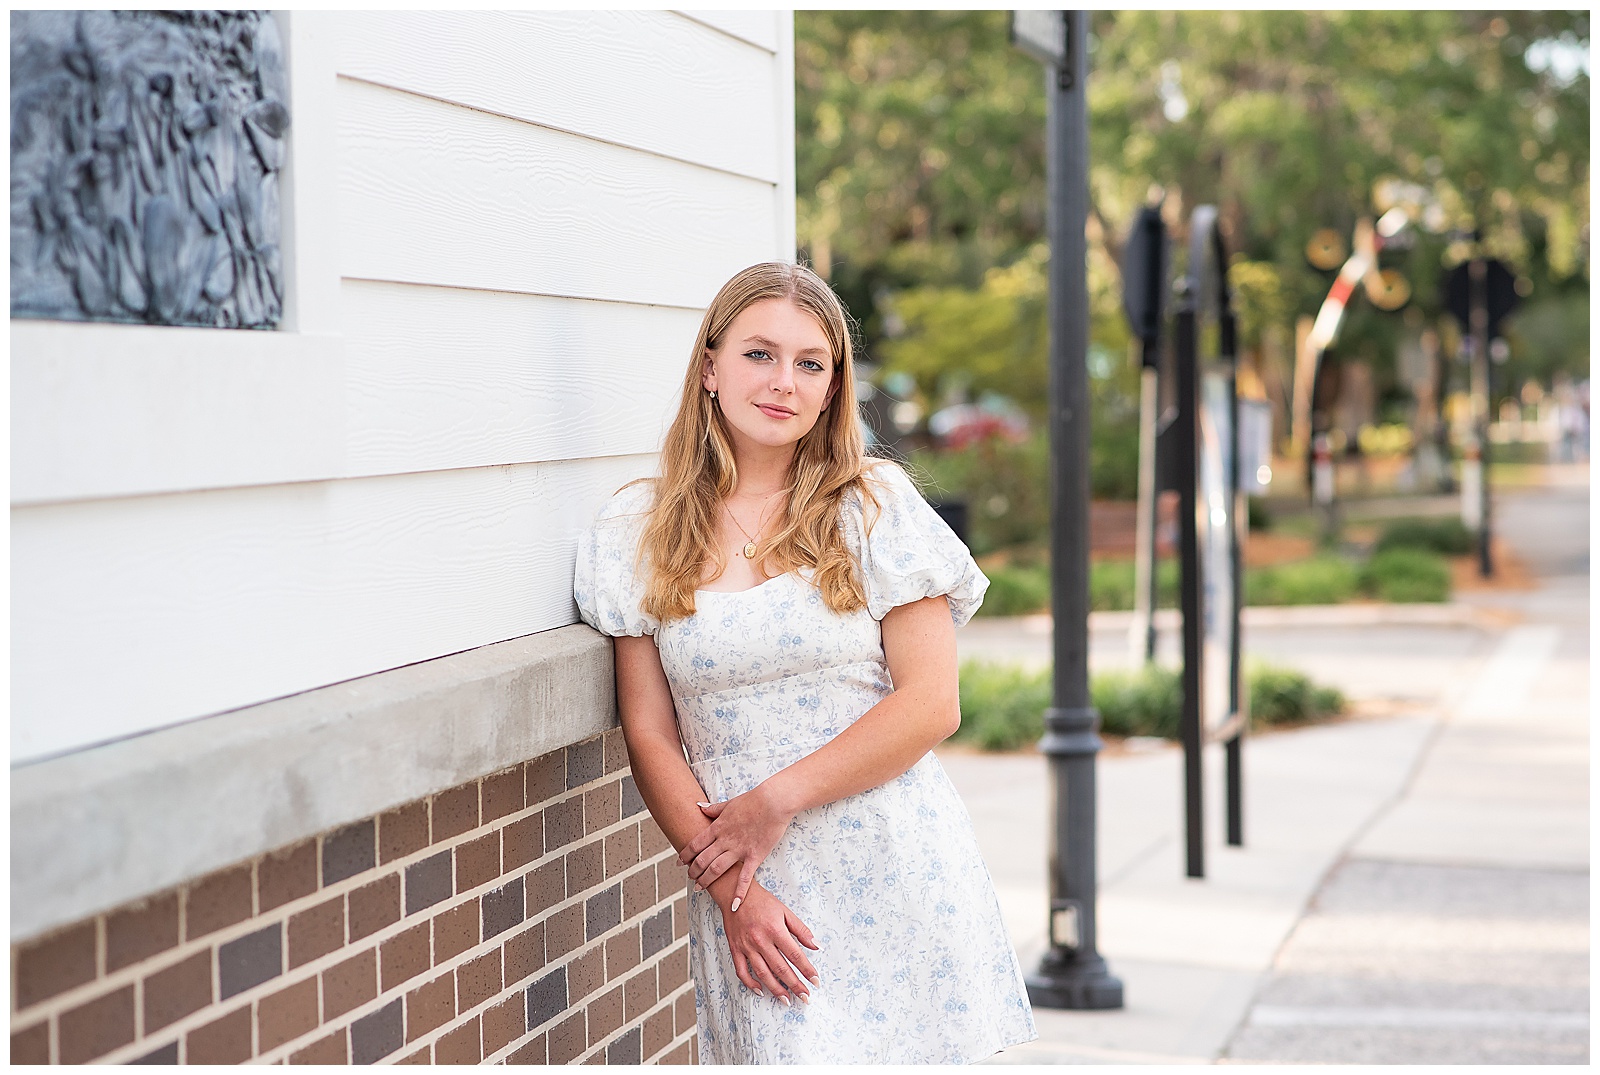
[[915, 963]]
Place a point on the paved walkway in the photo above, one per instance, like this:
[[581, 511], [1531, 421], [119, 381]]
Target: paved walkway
[[1414, 888]]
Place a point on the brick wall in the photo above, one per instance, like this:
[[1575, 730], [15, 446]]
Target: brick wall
[[536, 915]]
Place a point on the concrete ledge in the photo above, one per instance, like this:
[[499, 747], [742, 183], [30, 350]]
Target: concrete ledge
[[1354, 614], [95, 829]]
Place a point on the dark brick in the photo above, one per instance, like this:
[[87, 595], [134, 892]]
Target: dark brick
[[586, 973], [547, 998], [616, 750], [140, 931], [477, 981], [652, 841], [638, 891], [639, 993], [504, 1023], [605, 1015], [455, 812], [349, 851], [423, 1055], [658, 1033], [166, 1056], [547, 887], [221, 1041], [459, 1046], [544, 777], [428, 882], [523, 954], [405, 955], [430, 1006], [567, 1039], [622, 851], [602, 807], [626, 1049], [632, 801], [586, 867], [530, 1053], [375, 1036], [286, 1014], [454, 931], [174, 992], [286, 875], [333, 1049], [683, 1011], [563, 931], [502, 795], [674, 969], [586, 761], [563, 823], [402, 831], [502, 909], [32, 1045], [602, 912], [522, 841], [656, 932], [477, 862], [217, 901], [374, 906], [622, 952], [349, 984], [252, 959], [316, 931]]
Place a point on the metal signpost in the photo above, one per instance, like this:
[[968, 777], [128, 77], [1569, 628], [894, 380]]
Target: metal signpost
[[1072, 973], [1144, 288]]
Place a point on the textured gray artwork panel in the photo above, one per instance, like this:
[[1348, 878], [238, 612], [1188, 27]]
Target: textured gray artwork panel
[[145, 151]]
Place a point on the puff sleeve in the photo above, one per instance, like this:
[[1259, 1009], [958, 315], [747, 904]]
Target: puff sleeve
[[606, 582], [906, 552]]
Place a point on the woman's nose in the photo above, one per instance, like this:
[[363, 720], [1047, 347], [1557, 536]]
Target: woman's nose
[[783, 378]]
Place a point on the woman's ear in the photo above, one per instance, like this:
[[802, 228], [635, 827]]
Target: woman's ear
[[708, 373]]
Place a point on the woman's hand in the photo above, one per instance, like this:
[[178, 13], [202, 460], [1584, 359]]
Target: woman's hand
[[765, 939], [743, 829]]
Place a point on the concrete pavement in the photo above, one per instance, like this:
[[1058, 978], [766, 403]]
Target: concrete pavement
[[1413, 886]]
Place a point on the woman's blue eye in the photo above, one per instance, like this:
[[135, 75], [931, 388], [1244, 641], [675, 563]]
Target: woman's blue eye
[[813, 365], [758, 353]]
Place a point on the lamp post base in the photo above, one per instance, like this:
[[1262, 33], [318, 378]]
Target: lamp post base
[[1074, 985]]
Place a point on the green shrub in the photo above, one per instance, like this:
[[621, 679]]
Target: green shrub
[[1111, 584], [1407, 575], [1006, 486], [1284, 696], [1146, 702], [1447, 536], [1321, 580], [1002, 706], [1016, 591], [1259, 515]]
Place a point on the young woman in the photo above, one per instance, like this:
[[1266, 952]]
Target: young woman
[[784, 614]]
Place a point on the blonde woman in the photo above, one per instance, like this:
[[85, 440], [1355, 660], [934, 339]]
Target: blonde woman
[[784, 614]]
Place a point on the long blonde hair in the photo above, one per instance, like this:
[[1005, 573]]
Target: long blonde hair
[[698, 470]]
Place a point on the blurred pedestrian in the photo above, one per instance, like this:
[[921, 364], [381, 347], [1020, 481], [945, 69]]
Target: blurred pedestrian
[[784, 612]]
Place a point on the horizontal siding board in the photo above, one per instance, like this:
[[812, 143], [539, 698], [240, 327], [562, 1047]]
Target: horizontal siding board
[[148, 611], [757, 27], [446, 377], [434, 193], [650, 80]]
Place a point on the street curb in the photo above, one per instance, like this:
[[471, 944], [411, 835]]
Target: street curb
[[1355, 614]]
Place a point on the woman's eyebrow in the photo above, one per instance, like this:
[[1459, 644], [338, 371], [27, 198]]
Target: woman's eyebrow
[[764, 342]]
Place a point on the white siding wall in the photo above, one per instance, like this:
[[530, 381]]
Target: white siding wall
[[502, 227]]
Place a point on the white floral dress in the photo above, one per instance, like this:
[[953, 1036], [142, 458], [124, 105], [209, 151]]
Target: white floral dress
[[914, 961]]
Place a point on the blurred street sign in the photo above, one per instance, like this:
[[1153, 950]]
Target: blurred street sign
[[1503, 297], [1144, 278], [1041, 34]]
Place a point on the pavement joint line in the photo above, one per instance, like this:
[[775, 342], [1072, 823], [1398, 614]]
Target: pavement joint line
[[1414, 1018], [1135, 861], [1509, 674]]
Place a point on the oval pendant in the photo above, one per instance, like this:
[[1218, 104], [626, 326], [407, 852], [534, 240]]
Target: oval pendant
[[749, 550]]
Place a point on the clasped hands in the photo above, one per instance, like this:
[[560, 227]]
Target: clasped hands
[[766, 941]]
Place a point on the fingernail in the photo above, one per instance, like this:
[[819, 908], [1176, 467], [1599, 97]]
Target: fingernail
[[805, 998], [702, 804], [760, 992], [736, 902], [785, 1000], [814, 980]]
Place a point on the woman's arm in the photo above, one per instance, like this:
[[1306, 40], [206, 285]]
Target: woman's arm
[[764, 942], [919, 645]]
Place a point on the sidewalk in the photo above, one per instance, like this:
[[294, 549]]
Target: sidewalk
[[1412, 889]]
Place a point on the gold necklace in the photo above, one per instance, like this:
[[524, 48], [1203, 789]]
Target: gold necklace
[[749, 550]]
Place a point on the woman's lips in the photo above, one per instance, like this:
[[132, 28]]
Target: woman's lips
[[774, 412]]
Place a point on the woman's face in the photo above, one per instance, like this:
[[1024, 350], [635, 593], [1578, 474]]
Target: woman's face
[[773, 374]]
